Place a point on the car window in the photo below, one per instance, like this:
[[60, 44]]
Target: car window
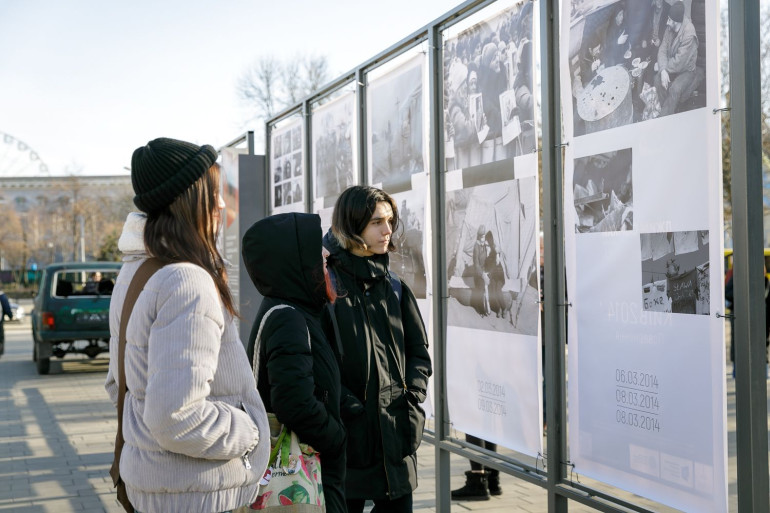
[[86, 282]]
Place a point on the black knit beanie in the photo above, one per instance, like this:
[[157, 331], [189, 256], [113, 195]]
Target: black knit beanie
[[164, 168]]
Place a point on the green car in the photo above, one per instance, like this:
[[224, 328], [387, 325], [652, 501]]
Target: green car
[[71, 312]]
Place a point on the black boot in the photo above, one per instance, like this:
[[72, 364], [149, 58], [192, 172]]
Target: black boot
[[475, 488], [493, 480]]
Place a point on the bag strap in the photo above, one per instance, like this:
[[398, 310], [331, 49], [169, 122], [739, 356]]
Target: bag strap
[[142, 275], [255, 358]]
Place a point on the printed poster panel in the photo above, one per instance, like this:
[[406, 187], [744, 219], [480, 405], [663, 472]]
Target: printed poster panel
[[643, 191], [287, 177], [397, 145], [230, 237], [627, 63], [489, 105], [396, 132], [334, 140], [493, 348], [412, 255]]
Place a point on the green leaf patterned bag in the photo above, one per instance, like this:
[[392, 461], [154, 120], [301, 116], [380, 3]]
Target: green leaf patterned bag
[[292, 481]]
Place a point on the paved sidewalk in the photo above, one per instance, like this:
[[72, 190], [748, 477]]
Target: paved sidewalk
[[57, 433]]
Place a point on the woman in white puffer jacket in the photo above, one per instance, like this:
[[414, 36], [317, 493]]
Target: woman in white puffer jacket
[[195, 428]]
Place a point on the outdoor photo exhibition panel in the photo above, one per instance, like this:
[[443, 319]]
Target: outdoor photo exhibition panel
[[397, 144], [230, 237], [643, 235], [492, 225], [333, 153], [287, 177]]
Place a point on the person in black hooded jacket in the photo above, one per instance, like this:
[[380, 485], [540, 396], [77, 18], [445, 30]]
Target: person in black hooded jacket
[[299, 382], [385, 364]]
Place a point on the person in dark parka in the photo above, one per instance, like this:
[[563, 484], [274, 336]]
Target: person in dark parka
[[385, 363], [299, 382]]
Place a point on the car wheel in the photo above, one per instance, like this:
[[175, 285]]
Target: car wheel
[[43, 365]]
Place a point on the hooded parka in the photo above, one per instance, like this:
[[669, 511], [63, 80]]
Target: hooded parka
[[385, 366], [298, 377]]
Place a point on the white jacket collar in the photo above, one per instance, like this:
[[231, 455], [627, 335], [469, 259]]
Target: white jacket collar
[[131, 242]]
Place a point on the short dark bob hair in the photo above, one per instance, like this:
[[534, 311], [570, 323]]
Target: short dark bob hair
[[353, 211]]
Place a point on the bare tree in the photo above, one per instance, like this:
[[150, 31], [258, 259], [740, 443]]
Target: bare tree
[[270, 85]]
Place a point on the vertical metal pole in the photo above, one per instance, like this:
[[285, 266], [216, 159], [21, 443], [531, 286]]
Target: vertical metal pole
[[306, 149], [250, 141], [361, 123], [268, 171], [436, 98], [553, 239], [746, 164]]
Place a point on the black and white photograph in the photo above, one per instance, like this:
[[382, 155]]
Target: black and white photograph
[[635, 60], [488, 87], [395, 117], [334, 136], [286, 165], [604, 193], [407, 260], [492, 238], [296, 138], [675, 272]]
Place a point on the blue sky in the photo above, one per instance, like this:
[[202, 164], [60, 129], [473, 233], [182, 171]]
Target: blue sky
[[84, 82]]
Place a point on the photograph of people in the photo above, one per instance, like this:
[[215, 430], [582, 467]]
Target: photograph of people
[[496, 56], [191, 403], [395, 111], [636, 60], [675, 272], [407, 259], [492, 250], [332, 146], [385, 363], [298, 376], [603, 192]]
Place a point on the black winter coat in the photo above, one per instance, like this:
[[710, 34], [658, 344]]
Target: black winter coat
[[298, 376], [385, 367]]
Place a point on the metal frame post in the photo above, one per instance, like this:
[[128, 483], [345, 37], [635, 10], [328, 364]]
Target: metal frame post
[[436, 120], [553, 239], [361, 123], [306, 149], [748, 258]]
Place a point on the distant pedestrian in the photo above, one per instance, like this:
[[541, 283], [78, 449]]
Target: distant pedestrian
[[195, 428], [7, 312], [385, 363]]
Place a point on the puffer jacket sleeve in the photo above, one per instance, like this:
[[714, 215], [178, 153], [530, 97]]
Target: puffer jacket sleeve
[[183, 354], [289, 363], [418, 364]]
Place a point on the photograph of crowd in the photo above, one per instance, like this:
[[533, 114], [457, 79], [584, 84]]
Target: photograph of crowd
[[333, 136], [488, 90], [407, 260], [675, 272], [604, 193], [635, 60], [286, 165], [492, 250], [395, 116]]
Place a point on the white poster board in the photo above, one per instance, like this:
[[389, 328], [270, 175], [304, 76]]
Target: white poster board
[[287, 173], [494, 363], [333, 153], [643, 218]]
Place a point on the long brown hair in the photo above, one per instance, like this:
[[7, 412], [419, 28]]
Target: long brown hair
[[185, 231]]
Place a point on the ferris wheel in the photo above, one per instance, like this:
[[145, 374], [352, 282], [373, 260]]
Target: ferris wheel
[[19, 159]]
